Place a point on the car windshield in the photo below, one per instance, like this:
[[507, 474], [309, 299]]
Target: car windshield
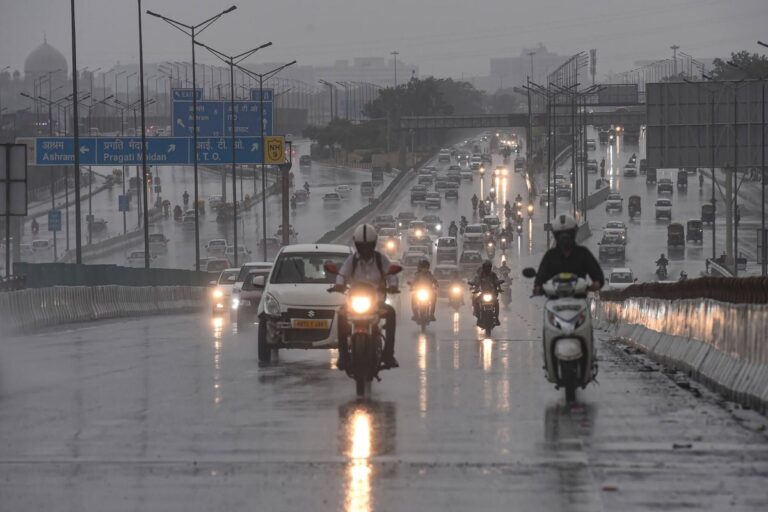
[[663, 202], [613, 239], [470, 257], [157, 237], [621, 277], [247, 269], [492, 221], [474, 229], [219, 243], [614, 225], [305, 268], [224, 277], [446, 242]]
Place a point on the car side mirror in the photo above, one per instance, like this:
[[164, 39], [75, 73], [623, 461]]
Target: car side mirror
[[331, 268], [258, 281], [232, 279], [529, 272]]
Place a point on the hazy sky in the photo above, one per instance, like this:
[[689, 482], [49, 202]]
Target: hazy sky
[[443, 37]]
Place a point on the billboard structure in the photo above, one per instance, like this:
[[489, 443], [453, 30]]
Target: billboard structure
[[704, 124]]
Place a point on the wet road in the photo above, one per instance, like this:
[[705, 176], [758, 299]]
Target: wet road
[[175, 413]]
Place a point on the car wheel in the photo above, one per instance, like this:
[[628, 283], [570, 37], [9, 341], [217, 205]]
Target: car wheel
[[264, 350]]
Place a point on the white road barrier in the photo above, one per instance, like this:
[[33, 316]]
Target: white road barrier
[[40, 307], [724, 345]]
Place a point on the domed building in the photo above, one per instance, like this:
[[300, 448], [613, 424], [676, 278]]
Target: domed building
[[46, 59]]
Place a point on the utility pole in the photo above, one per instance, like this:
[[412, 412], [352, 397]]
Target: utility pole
[[395, 53], [674, 49]]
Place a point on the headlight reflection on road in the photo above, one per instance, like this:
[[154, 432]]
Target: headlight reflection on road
[[422, 375], [487, 349], [530, 236], [455, 322], [358, 497], [218, 329]]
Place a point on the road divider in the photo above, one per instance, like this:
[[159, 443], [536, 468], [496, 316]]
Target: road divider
[[31, 309], [722, 344]]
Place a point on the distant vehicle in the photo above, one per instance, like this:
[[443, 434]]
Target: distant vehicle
[[707, 213], [664, 209], [630, 171], [452, 192], [418, 194], [466, 174], [591, 145], [563, 191], [404, 220], [643, 166], [665, 186], [617, 226], [425, 179], [695, 231], [305, 162], [366, 189], [620, 278], [474, 234], [612, 248], [434, 224], [252, 267], [222, 291], [242, 252], [650, 175], [682, 180], [614, 203], [343, 190], [43, 246], [519, 164], [417, 231], [216, 246], [433, 201], [493, 223], [675, 236], [470, 261], [158, 243], [136, 259], [447, 249], [382, 221], [444, 156], [215, 202], [332, 198]]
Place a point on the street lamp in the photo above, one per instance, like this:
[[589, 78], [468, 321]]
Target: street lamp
[[232, 60], [192, 31], [261, 77], [345, 85], [331, 88]]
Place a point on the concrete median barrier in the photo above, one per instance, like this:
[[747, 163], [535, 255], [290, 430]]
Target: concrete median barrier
[[30, 309], [722, 344]]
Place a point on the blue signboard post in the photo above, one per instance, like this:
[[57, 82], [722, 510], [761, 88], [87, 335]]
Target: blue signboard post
[[54, 220], [123, 203], [113, 151]]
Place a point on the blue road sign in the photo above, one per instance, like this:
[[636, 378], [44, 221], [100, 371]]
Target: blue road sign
[[111, 151], [123, 203], [54, 220], [213, 116]]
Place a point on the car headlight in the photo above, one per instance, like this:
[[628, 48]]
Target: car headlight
[[438, 227], [271, 305], [360, 304], [456, 290], [422, 295], [217, 293], [487, 297], [418, 233]]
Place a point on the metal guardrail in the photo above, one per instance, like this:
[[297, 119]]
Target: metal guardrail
[[735, 290], [34, 308], [43, 275]]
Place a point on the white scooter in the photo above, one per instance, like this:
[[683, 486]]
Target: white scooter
[[568, 344]]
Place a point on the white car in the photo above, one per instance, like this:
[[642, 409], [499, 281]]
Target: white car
[[617, 225], [343, 190], [242, 252], [620, 278], [296, 310], [474, 234], [245, 269], [215, 202], [217, 246], [135, 259], [157, 243], [222, 290], [664, 209], [43, 246], [332, 198]]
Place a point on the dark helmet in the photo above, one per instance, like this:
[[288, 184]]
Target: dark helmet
[[487, 266], [423, 265], [662, 256]]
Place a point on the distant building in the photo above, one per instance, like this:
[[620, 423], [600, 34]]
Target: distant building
[[512, 71]]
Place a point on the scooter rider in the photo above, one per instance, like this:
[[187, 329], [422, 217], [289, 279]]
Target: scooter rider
[[463, 223], [486, 280], [423, 275], [662, 261], [185, 198], [567, 256], [453, 229], [369, 265], [504, 271], [306, 186], [474, 202]]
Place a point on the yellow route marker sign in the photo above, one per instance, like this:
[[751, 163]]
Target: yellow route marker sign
[[274, 149]]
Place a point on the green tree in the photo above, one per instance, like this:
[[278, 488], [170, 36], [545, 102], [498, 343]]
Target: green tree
[[752, 64]]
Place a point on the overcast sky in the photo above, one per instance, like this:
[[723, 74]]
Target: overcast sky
[[443, 37]]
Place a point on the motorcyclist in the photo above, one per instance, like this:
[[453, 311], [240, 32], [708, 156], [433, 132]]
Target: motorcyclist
[[662, 261], [519, 201], [463, 223], [486, 280], [306, 186], [453, 229], [481, 209], [185, 198], [177, 212], [504, 271], [35, 226], [424, 276], [474, 201], [293, 202], [367, 265], [509, 232], [567, 256], [683, 275]]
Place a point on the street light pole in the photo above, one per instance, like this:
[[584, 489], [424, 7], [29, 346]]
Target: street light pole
[[261, 77], [192, 31], [76, 146], [231, 60]]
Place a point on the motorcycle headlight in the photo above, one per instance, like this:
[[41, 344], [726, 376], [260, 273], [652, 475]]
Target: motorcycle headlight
[[360, 304], [438, 227], [217, 293], [456, 290], [418, 233], [504, 240], [391, 245], [530, 207], [422, 295], [487, 297], [271, 305]]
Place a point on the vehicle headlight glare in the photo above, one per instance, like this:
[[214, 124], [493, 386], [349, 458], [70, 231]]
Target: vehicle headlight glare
[[456, 290], [390, 244], [235, 303], [217, 293], [487, 297], [422, 295], [360, 304]]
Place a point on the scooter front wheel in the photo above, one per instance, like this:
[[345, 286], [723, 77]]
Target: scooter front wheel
[[570, 372]]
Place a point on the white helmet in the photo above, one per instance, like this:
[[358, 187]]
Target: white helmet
[[564, 222], [365, 234]]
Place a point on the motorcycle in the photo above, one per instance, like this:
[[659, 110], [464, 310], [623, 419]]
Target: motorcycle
[[453, 230], [422, 296], [661, 272], [485, 310], [519, 228], [366, 341], [456, 296], [482, 210], [569, 359], [490, 250], [503, 244]]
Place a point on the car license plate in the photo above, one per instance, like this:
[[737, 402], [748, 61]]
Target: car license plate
[[298, 323], [245, 302]]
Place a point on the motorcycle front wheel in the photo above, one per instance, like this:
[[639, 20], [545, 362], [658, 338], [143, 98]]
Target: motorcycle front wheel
[[570, 373]]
